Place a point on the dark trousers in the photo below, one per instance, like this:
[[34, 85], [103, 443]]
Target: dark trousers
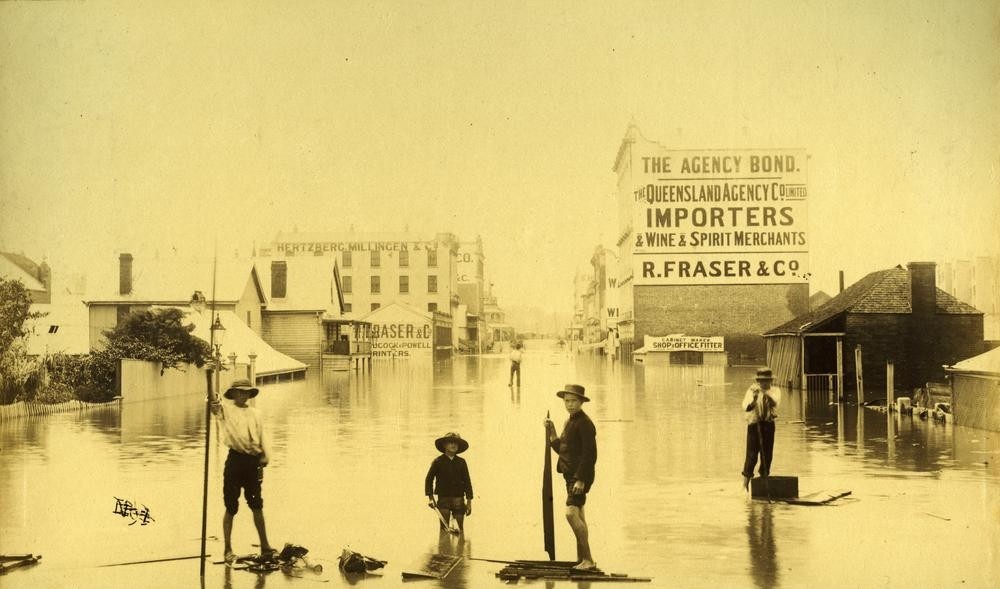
[[759, 441], [515, 367]]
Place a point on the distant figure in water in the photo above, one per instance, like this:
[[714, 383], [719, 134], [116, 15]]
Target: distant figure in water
[[515, 365], [449, 478]]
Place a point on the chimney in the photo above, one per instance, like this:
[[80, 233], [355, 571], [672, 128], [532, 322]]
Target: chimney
[[841, 281], [125, 274], [923, 287], [279, 278], [45, 277]]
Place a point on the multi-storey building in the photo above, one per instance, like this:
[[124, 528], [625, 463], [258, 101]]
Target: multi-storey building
[[710, 242]]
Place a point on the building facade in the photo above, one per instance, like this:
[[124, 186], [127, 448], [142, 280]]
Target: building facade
[[710, 243], [976, 282]]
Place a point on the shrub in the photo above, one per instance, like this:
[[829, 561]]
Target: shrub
[[55, 392]]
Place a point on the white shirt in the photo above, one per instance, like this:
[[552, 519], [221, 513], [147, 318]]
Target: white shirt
[[760, 411], [515, 356], [242, 428]]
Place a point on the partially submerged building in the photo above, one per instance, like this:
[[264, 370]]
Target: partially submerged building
[[975, 391], [896, 315]]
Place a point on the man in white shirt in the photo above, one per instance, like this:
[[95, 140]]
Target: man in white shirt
[[759, 405], [515, 365], [243, 433]]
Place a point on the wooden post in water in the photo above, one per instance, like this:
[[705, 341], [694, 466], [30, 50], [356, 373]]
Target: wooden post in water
[[859, 380], [890, 385]]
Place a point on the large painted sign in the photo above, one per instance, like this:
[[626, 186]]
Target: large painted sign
[[323, 247], [400, 332], [720, 217]]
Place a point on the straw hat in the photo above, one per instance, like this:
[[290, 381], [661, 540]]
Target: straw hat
[[451, 437]]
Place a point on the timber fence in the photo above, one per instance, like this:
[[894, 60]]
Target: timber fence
[[31, 409]]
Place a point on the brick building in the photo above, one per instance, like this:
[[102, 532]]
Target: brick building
[[710, 243], [897, 314]]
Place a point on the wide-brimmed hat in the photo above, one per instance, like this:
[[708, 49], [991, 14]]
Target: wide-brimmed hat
[[573, 389], [241, 384], [764, 374], [451, 437]]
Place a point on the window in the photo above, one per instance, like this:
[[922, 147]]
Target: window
[[376, 259], [687, 357], [432, 307], [404, 284], [347, 259], [376, 284], [404, 259], [347, 283], [347, 307], [121, 312], [432, 284], [375, 306], [432, 258]]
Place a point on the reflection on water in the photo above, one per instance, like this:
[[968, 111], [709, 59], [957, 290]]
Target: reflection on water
[[763, 550], [351, 452]]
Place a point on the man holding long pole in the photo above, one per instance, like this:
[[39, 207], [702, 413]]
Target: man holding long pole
[[577, 448], [759, 405]]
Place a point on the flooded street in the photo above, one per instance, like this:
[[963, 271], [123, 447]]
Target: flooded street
[[350, 458]]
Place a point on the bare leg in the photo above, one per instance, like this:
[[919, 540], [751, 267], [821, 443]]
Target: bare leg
[[227, 532], [446, 514], [258, 522], [574, 515]]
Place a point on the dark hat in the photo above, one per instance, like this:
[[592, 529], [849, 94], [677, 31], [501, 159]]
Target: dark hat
[[764, 374], [241, 384], [451, 437], [573, 389]]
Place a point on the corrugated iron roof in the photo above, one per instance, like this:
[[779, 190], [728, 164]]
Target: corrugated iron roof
[[988, 363], [882, 291], [12, 270], [173, 281], [309, 284]]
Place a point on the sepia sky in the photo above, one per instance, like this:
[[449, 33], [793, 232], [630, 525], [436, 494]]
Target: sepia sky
[[156, 127]]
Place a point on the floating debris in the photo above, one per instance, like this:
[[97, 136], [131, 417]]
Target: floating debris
[[355, 562], [546, 569]]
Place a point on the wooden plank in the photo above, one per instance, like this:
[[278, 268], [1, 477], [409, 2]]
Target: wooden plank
[[433, 566], [548, 520], [818, 498]]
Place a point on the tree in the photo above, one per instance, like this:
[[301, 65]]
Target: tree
[[18, 371], [160, 336], [15, 309]]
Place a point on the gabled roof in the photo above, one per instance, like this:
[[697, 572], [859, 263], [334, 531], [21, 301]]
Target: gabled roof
[[883, 291], [18, 267], [988, 363], [173, 281], [241, 340], [312, 283], [394, 308]]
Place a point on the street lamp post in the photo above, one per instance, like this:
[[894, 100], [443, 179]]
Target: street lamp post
[[218, 332]]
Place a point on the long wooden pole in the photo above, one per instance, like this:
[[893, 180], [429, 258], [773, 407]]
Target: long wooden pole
[[208, 423], [548, 522]]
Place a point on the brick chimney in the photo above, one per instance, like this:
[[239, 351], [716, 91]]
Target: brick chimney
[[45, 277], [923, 287], [279, 278], [125, 274]]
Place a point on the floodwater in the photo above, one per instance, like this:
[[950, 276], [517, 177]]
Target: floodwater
[[350, 458]]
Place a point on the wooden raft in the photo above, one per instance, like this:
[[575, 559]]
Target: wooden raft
[[549, 569]]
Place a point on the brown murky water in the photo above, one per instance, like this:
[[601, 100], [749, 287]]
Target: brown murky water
[[351, 455]]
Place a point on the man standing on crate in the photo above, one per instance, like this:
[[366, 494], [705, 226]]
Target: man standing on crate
[[759, 405]]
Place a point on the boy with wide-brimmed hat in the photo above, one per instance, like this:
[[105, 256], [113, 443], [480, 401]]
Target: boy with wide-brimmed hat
[[577, 449], [249, 453], [759, 405], [448, 478]]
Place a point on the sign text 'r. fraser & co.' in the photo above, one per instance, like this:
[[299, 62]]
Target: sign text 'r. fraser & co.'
[[720, 217]]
